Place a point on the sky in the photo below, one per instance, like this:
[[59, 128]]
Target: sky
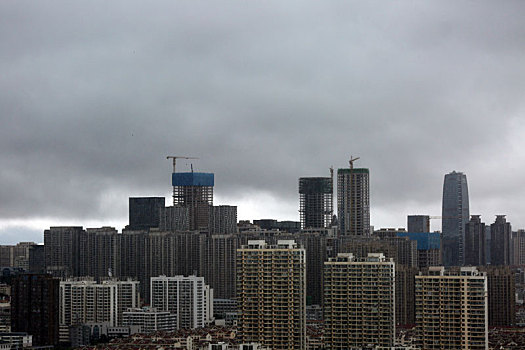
[[95, 94]]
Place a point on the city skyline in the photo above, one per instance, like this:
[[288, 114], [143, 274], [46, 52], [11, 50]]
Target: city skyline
[[263, 94]]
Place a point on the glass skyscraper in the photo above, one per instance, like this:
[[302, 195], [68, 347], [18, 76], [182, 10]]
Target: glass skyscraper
[[455, 216]]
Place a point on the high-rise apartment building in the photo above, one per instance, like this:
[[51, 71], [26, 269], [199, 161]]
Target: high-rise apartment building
[[315, 245], [353, 201], [195, 192], [474, 247], [518, 244], [455, 214], [315, 202], [418, 223], [217, 264], [144, 212], [501, 285], [34, 307], [500, 241], [99, 250], [271, 294], [86, 301], [451, 309], [174, 219], [17, 255], [223, 219], [359, 301], [37, 259], [186, 297], [133, 257], [62, 251]]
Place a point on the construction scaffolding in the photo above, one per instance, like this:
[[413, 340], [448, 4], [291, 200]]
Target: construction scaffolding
[[315, 202]]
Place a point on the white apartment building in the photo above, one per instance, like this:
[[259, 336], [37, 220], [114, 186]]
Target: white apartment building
[[187, 297], [86, 301], [150, 319]]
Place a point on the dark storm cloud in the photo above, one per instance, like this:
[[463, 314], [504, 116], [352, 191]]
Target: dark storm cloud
[[94, 96]]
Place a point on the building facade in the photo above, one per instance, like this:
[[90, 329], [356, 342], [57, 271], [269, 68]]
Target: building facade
[[34, 307], [501, 284], [452, 309], [217, 264], [223, 219], [359, 301], [174, 219], [405, 295], [271, 294], [62, 251], [455, 215], [149, 319], [353, 201]]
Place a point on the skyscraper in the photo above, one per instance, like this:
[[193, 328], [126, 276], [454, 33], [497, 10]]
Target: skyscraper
[[455, 214], [451, 309], [500, 249], [474, 250], [353, 201], [195, 192], [315, 202], [359, 307], [271, 294]]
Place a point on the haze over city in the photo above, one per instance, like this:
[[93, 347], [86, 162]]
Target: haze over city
[[93, 97]]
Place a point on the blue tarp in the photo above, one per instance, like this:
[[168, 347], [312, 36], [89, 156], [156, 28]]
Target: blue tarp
[[192, 179]]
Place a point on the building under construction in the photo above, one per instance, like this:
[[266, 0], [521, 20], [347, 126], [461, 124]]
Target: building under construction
[[195, 192], [315, 202]]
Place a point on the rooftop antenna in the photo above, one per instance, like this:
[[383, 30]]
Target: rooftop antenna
[[178, 157]]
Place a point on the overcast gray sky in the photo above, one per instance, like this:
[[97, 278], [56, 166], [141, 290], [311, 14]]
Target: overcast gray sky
[[95, 94]]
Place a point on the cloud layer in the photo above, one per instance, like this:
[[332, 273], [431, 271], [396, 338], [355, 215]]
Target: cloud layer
[[93, 97]]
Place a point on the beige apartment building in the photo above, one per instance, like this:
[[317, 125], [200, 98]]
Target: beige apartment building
[[359, 301], [451, 309], [271, 294]]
